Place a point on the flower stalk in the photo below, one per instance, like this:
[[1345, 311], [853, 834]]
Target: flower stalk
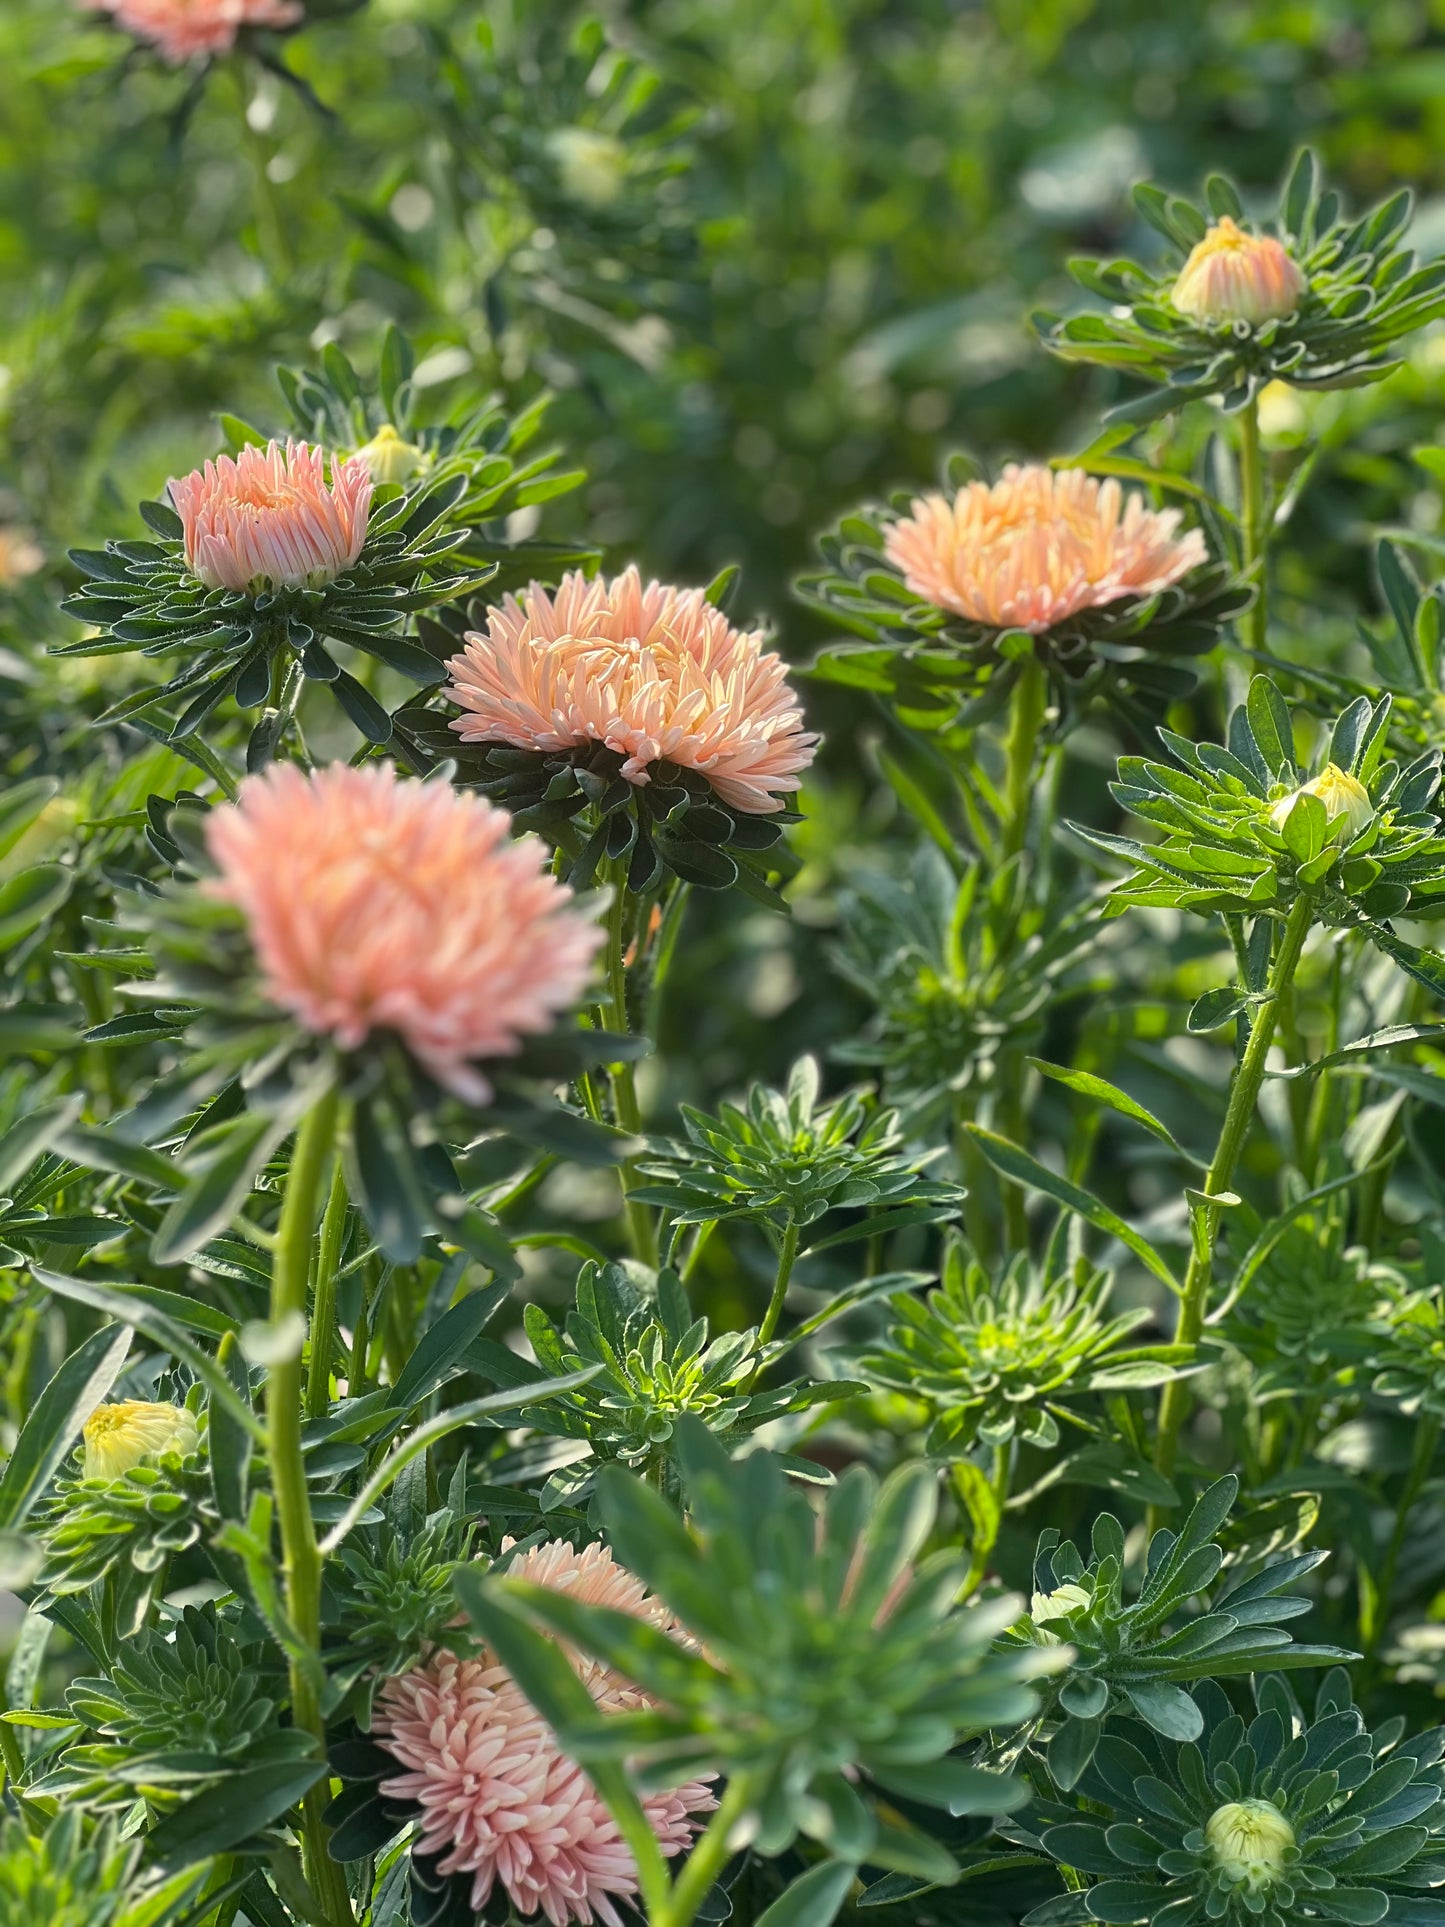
[[628, 1112], [301, 1558], [1253, 524], [1238, 1116]]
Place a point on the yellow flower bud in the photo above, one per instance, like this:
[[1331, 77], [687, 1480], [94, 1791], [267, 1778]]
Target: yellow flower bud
[[120, 1436], [1249, 1842], [389, 459], [1343, 796], [1234, 276], [592, 167]]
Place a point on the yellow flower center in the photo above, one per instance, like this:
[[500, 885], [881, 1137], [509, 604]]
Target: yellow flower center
[[1249, 1842]]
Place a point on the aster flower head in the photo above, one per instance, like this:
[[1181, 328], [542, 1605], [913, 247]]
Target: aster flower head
[[952, 590], [120, 1436], [268, 519], [1039, 546], [376, 904], [636, 713], [497, 1802], [1232, 275], [1310, 297], [182, 30]]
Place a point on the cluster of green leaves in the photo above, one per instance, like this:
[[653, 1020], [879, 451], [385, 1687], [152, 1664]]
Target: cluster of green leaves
[[1363, 294]]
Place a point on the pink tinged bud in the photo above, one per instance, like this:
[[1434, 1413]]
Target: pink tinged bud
[[1234, 276], [267, 520], [374, 903], [1039, 546], [182, 30], [499, 1798], [657, 674]]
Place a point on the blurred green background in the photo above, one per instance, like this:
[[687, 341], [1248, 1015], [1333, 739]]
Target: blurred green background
[[770, 256]]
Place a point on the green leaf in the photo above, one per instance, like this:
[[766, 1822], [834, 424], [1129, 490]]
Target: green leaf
[[31, 1134], [1165, 1707], [1270, 725], [20, 805], [56, 1419], [442, 1349], [29, 897], [952, 1785], [1018, 1165], [814, 1898], [1071, 1749], [1219, 1007], [210, 1200], [1103, 1092], [230, 1812]]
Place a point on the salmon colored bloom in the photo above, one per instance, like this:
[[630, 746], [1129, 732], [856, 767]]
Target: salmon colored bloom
[[1038, 546], [1234, 276], [499, 1798], [374, 903], [268, 521], [180, 30], [657, 674], [20, 556], [118, 1437]]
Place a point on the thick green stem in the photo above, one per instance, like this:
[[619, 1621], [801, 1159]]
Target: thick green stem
[[640, 1225], [323, 1300], [1253, 532], [301, 1560], [1238, 1116], [707, 1859], [787, 1256], [1026, 718]]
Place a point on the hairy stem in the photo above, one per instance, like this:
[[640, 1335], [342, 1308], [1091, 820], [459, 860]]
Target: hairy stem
[[787, 1256], [707, 1859], [323, 1301], [1253, 530], [1026, 717], [640, 1225], [301, 1560], [1238, 1116]]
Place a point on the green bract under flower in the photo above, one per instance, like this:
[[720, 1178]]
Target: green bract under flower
[[995, 1360], [1361, 294], [1146, 1653], [1276, 1820], [1247, 832]]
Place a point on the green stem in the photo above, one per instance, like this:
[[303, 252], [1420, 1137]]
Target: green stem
[[1026, 717], [1427, 1438], [707, 1859], [323, 1301], [301, 1560], [1238, 1116], [787, 1255], [1252, 527], [641, 1228]]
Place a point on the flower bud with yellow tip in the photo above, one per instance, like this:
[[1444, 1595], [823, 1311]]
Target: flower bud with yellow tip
[[389, 459], [1344, 797], [1235, 276], [1250, 1843], [118, 1437]]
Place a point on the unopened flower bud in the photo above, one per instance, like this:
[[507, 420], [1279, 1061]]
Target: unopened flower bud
[[1250, 1842], [592, 167], [120, 1436], [1343, 795], [1234, 276], [389, 459]]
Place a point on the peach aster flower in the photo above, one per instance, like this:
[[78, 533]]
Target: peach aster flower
[[20, 556], [1234, 276], [375, 903], [1038, 546], [499, 1799], [179, 30], [268, 520], [657, 674]]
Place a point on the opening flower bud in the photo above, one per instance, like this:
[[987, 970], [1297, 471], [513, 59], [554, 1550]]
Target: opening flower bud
[[389, 459], [120, 1436], [1234, 276], [1250, 1843], [1343, 796]]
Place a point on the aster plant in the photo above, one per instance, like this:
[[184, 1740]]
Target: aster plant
[[1273, 1818]]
